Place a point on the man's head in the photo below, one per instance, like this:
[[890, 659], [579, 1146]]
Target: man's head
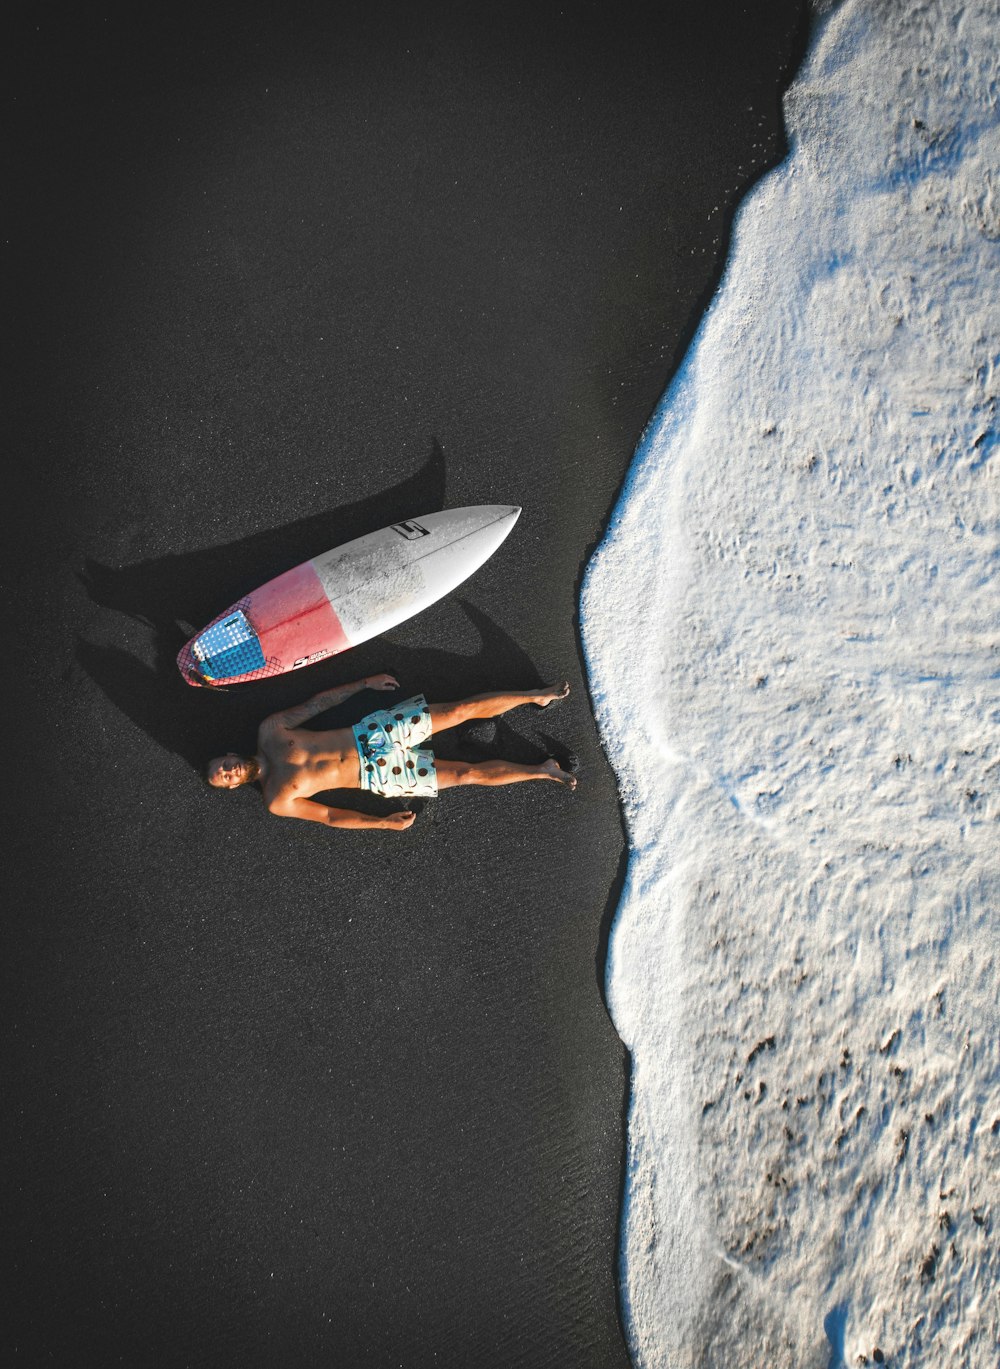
[[230, 771]]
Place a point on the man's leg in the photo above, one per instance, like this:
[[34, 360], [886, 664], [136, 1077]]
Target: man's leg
[[444, 716], [451, 774]]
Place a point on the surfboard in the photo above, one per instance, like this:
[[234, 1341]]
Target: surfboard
[[346, 596]]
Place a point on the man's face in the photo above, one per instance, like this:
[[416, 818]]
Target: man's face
[[229, 771]]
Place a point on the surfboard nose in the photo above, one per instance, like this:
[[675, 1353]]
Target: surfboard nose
[[502, 517], [498, 517]]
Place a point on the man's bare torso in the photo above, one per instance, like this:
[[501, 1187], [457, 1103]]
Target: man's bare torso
[[296, 763]]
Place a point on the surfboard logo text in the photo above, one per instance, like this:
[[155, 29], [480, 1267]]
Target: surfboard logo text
[[410, 530]]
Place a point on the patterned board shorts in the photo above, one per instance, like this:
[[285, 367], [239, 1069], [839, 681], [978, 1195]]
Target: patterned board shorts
[[393, 763]]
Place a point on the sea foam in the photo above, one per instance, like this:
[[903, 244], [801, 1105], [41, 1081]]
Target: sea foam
[[791, 630]]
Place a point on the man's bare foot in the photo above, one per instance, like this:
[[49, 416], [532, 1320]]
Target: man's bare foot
[[555, 771], [544, 697]]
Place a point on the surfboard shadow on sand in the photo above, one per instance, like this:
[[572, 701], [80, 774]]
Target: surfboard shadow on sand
[[168, 593]]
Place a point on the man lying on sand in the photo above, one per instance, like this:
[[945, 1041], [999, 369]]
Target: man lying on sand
[[381, 753]]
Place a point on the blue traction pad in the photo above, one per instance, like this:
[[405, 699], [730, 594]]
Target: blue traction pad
[[229, 647]]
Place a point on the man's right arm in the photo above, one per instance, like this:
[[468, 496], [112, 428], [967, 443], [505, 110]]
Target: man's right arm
[[347, 818], [329, 698]]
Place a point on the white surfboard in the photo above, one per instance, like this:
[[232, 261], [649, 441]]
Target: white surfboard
[[345, 596]]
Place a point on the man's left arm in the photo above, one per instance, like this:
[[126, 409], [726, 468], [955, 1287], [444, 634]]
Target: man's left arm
[[329, 698]]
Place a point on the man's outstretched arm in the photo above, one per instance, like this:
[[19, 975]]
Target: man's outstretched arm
[[340, 817], [329, 698]]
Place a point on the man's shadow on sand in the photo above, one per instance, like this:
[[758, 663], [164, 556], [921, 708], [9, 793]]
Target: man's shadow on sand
[[172, 596]]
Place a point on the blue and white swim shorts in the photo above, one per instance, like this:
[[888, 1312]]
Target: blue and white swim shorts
[[392, 761]]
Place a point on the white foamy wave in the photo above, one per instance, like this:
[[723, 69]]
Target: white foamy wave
[[792, 636]]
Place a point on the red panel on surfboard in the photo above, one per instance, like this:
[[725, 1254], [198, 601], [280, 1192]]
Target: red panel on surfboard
[[294, 618], [294, 623]]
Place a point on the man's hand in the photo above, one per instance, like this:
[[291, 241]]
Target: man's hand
[[381, 682], [398, 822]]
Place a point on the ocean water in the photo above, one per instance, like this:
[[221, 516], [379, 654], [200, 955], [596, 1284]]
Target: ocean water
[[792, 631]]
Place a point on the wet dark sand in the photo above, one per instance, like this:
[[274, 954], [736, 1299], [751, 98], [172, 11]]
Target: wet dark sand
[[278, 1096]]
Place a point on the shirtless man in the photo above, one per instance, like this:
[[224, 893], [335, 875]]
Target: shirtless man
[[382, 754]]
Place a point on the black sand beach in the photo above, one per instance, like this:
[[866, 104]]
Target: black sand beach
[[278, 1096]]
